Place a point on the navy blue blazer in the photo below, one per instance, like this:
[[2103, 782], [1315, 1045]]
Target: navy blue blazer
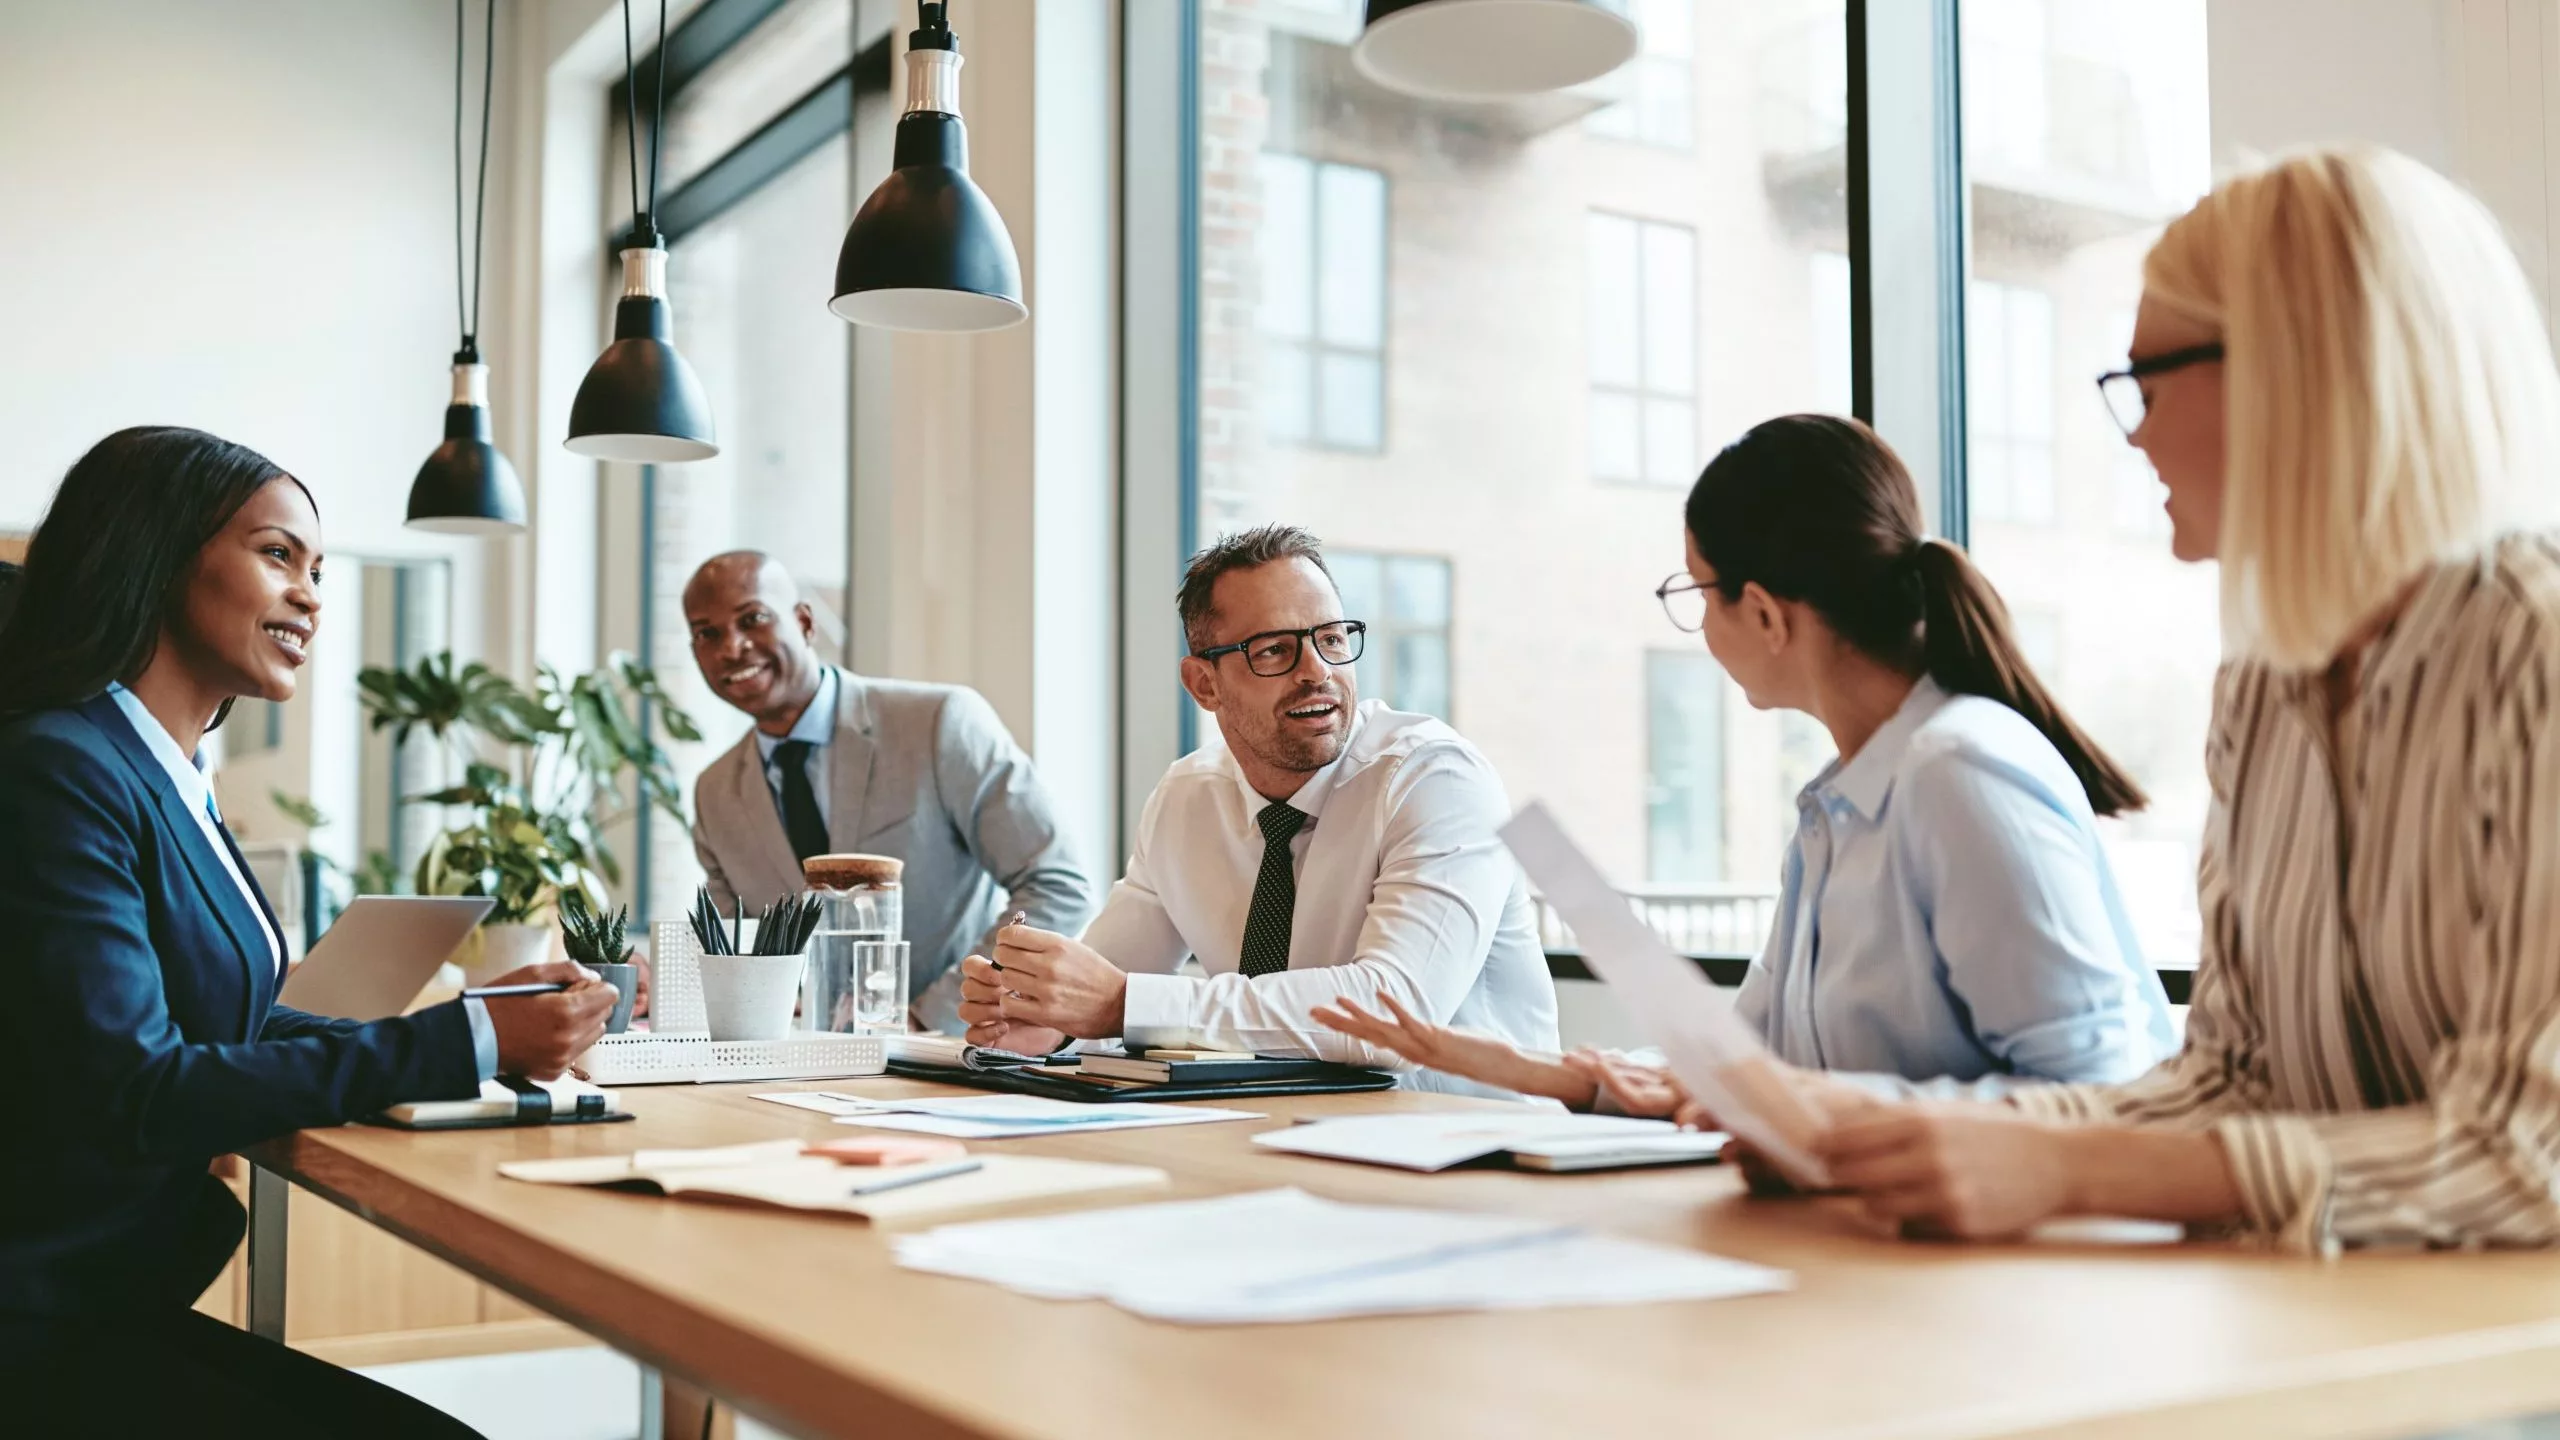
[[139, 1031]]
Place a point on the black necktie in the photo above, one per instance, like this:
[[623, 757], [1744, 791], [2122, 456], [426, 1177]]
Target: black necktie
[[1275, 895], [800, 818]]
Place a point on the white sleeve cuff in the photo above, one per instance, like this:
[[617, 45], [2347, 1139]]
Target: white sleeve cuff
[[484, 1036], [1158, 1010]]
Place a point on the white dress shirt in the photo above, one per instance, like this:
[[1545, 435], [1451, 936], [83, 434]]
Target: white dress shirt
[[1403, 888], [186, 773], [816, 726]]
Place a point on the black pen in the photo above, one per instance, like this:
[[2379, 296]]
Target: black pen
[[493, 992]]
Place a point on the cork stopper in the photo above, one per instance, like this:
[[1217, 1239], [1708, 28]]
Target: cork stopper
[[844, 872]]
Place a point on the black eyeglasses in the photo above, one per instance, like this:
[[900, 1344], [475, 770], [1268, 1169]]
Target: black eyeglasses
[[2122, 389], [1685, 601], [1277, 652]]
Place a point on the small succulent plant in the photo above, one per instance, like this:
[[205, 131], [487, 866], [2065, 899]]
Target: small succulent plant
[[592, 939]]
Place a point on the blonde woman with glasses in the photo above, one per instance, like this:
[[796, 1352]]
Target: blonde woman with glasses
[[2342, 377]]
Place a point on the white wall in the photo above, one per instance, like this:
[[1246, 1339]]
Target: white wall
[[2293, 72], [240, 217], [2471, 87]]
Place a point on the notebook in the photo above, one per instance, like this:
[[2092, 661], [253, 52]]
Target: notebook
[[1156, 1067], [1534, 1139], [780, 1173], [510, 1100]]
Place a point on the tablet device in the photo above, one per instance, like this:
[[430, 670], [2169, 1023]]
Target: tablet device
[[380, 953]]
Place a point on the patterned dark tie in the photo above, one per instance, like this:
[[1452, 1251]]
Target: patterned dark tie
[[1275, 895], [800, 818]]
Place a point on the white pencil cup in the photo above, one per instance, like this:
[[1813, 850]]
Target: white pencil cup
[[750, 997]]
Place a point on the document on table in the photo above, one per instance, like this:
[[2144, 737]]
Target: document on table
[[1436, 1142], [1285, 1255], [1714, 1056], [997, 1117]]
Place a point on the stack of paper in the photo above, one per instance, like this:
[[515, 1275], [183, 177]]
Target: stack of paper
[[1279, 1255], [996, 1117]]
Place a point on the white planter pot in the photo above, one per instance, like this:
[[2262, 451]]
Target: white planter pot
[[750, 997], [493, 950]]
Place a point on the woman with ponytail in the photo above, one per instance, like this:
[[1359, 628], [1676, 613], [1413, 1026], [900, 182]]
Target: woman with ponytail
[[1945, 908]]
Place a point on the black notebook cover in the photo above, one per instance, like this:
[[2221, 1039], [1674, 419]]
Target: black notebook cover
[[1028, 1080]]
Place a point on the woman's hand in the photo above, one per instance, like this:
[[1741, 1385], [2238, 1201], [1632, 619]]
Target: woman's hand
[[1457, 1052], [1646, 1090], [1954, 1169], [538, 1035]]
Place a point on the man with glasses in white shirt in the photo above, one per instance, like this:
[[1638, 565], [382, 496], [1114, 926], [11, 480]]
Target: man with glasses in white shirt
[[1320, 848]]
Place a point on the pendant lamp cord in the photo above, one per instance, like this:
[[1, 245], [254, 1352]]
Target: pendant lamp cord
[[467, 282], [646, 207]]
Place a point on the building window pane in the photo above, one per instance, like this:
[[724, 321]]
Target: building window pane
[[1643, 336], [1405, 601], [2085, 130], [1659, 107], [1684, 767], [1673, 291], [1322, 276]]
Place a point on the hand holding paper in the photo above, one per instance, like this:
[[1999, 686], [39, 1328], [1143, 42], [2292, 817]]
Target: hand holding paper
[[1714, 1056]]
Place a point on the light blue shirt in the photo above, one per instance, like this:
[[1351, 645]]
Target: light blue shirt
[[1946, 910], [187, 774], [817, 726]]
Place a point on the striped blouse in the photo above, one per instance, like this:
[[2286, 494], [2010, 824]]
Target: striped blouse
[[2375, 1035]]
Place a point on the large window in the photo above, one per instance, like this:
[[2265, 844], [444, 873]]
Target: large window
[[2086, 130], [1643, 307], [1324, 302], [1574, 320]]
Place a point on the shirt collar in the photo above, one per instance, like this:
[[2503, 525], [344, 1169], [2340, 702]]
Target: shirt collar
[[1863, 781], [1308, 799], [816, 725], [185, 773]]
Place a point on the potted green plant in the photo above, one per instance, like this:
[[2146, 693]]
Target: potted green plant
[[598, 944], [544, 772]]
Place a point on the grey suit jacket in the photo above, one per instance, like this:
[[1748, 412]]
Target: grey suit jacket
[[926, 773]]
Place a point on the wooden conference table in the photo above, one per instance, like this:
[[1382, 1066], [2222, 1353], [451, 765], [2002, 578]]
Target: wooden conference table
[[806, 1322]]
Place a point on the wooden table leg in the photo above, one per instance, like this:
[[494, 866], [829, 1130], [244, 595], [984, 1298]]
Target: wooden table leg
[[268, 1194]]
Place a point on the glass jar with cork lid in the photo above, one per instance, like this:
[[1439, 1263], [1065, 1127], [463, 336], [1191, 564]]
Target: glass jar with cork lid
[[857, 977]]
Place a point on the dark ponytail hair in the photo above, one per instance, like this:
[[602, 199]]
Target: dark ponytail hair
[[1818, 509], [103, 572]]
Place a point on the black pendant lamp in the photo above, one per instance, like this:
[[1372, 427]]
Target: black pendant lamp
[[640, 401], [928, 251], [1490, 49], [467, 487]]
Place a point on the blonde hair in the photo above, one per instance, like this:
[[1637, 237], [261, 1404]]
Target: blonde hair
[[2391, 401]]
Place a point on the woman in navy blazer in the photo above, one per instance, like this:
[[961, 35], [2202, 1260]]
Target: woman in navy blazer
[[139, 1032]]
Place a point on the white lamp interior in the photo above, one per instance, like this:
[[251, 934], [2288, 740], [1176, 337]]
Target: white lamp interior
[[1493, 49]]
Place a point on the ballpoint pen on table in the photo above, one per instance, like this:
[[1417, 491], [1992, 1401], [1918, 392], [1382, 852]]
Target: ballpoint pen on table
[[892, 1180]]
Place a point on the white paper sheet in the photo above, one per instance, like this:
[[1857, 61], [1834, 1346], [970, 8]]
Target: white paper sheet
[[1438, 1141], [998, 1117], [1284, 1255], [1715, 1056]]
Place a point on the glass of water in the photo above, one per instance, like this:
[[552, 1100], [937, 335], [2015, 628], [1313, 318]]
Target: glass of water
[[880, 986]]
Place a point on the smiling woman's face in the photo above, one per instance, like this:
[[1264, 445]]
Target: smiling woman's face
[[250, 605]]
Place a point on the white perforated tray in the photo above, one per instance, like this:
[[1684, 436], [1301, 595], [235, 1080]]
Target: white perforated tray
[[679, 1047]]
